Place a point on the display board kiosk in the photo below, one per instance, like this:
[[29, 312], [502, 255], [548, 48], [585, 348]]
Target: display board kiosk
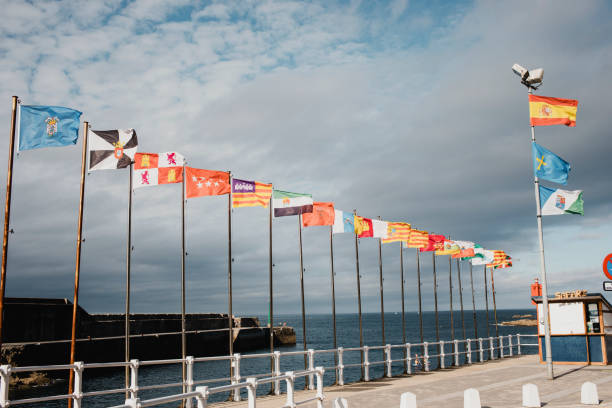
[[580, 329]]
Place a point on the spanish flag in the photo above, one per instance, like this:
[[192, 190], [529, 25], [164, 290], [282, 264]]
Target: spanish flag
[[546, 111]]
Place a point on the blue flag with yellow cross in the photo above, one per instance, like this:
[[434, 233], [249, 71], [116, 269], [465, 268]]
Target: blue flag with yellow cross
[[549, 166]]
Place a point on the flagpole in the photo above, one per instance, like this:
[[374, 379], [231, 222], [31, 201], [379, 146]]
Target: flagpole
[[359, 296], [494, 304], [230, 313], [450, 289], [486, 288], [435, 285], [183, 337], [461, 298], [403, 309], [382, 295], [302, 293], [270, 285], [77, 270], [128, 265], [7, 210], [473, 303], [420, 299], [333, 291], [547, 346]]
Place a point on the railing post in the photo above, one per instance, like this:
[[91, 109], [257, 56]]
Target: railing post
[[510, 352], [456, 342], [408, 359], [5, 377], [320, 395], [78, 384], [366, 364], [251, 391], [340, 366], [442, 355], [189, 380], [236, 379], [426, 356], [518, 343], [202, 399], [491, 349], [290, 403], [134, 378], [480, 350], [277, 372], [389, 361], [468, 351], [311, 367], [132, 402], [501, 346]]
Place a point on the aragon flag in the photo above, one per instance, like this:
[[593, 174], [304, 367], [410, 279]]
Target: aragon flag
[[545, 111], [151, 169], [111, 149], [363, 227], [322, 214]]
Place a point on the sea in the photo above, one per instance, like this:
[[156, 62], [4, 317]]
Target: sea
[[319, 336]]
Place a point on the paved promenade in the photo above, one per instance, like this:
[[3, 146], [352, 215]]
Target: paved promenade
[[499, 383]]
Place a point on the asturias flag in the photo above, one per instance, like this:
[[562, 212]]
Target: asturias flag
[[47, 126], [555, 202], [549, 166], [544, 111]]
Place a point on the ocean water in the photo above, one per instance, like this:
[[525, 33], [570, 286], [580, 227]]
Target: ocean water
[[319, 336]]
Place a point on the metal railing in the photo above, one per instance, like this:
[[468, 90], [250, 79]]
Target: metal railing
[[418, 355]]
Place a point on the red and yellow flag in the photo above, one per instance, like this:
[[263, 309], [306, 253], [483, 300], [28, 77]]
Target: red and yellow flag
[[499, 257], [322, 214], [397, 231], [436, 243], [418, 239], [545, 111], [363, 227]]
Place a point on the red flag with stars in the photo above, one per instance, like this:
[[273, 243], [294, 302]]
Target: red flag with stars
[[200, 182]]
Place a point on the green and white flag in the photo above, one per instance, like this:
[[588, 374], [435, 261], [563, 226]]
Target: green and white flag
[[286, 203], [555, 202]]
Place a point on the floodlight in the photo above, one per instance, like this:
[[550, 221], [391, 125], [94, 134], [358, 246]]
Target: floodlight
[[520, 71], [531, 79], [535, 76]]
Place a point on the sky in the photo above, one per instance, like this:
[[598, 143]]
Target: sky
[[407, 110]]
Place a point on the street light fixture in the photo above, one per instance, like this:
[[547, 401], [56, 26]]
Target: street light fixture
[[531, 79]]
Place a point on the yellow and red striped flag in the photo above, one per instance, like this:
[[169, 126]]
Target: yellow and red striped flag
[[498, 258], [250, 193], [545, 111], [397, 231], [418, 239]]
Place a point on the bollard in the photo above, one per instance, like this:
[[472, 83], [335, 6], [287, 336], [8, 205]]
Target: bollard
[[426, 356], [491, 351], [480, 350], [471, 398], [251, 391], [469, 351], [310, 368], [389, 361], [320, 395], [5, 376], [510, 353], [290, 403], [134, 364], [189, 363], [78, 384], [588, 394], [409, 358], [366, 364], [456, 343], [236, 379], [277, 372], [340, 366], [203, 397], [340, 403], [408, 400], [531, 396], [442, 355], [518, 343]]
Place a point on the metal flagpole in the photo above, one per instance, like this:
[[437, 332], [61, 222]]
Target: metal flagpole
[[403, 309], [547, 346], [7, 211], [128, 265], [494, 304], [382, 297], [486, 288], [302, 292], [450, 289], [77, 270], [435, 285], [230, 313], [473, 304], [420, 299], [270, 284], [461, 298], [359, 296], [183, 337], [333, 291]]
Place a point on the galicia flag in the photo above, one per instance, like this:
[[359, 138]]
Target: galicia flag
[[47, 126]]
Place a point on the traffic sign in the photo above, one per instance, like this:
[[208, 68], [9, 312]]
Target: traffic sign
[[607, 285], [607, 266]]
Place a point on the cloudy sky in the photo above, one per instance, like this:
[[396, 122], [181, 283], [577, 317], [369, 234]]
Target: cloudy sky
[[406, 110]]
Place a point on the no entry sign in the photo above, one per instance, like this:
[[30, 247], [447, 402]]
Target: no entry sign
[[607, 266]]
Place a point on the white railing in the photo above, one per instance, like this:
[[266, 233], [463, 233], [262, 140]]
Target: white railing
[[417, 355]]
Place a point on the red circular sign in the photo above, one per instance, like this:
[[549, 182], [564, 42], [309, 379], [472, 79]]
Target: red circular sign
[[607, 266]]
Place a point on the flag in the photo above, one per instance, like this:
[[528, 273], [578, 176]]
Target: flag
[[466, 250], [507, 263], [287, 203], [397, 231], [322, 214], [544, 111], [47, 126], [200, 182], [482, 256], [250, 193], [151, 169], [111, 149], [418, 239], [363, 227], [343, 222], [498, 258], [555, 202], [549, 166], [379, 229], [449, 248], [435, 243]]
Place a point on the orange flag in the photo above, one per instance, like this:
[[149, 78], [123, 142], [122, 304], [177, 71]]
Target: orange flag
[[200, 182], [322, 214]]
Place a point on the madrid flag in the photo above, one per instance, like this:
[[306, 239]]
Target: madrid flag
[[200, 182]]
